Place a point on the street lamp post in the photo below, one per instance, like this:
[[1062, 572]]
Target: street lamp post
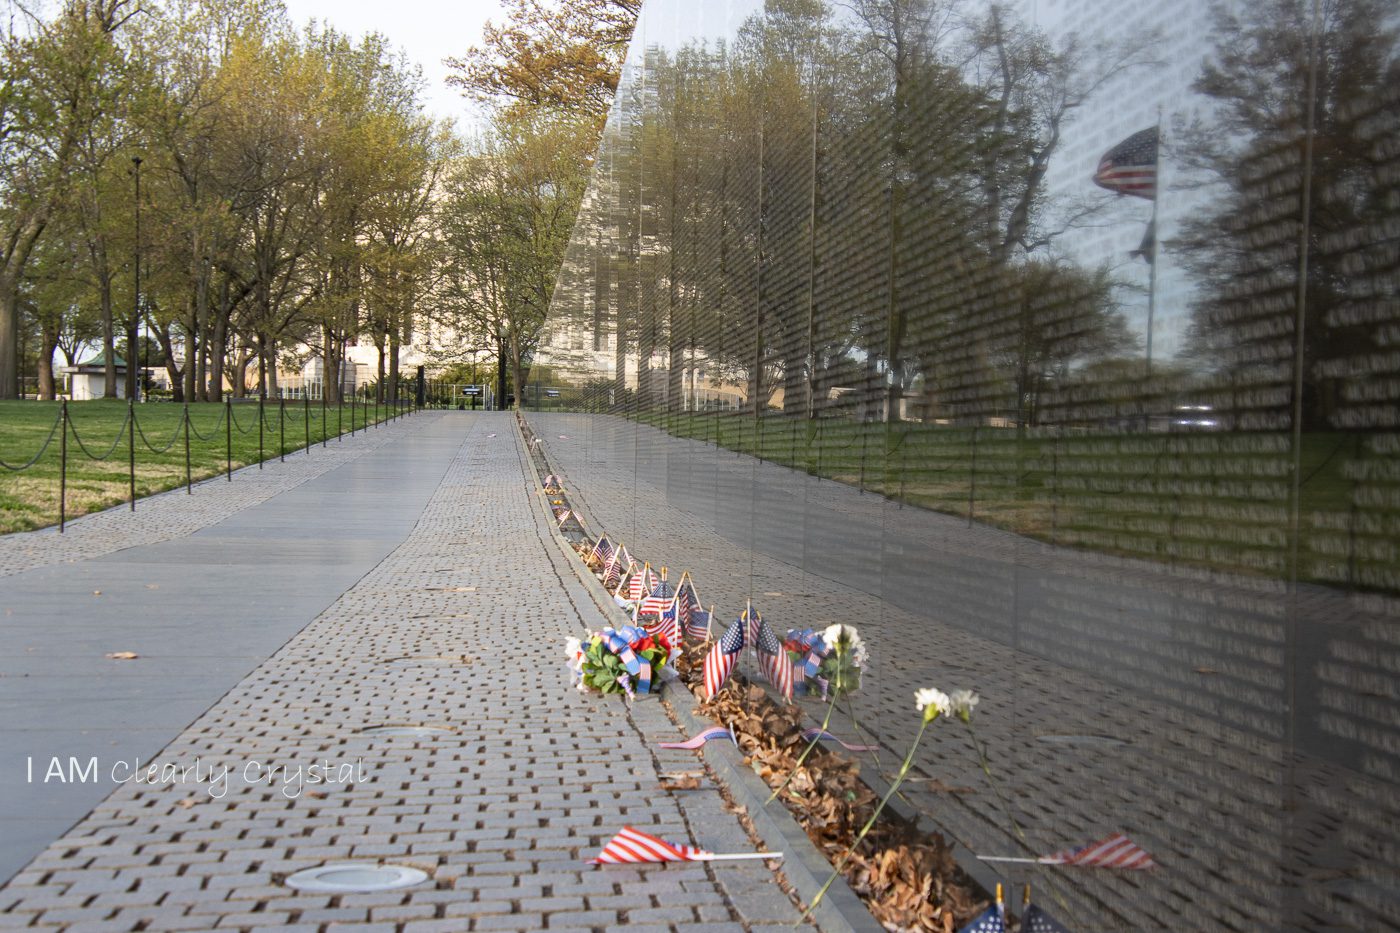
[[133, 390]]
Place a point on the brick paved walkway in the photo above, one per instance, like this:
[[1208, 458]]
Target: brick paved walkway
[[1249, 834], [530, 778]]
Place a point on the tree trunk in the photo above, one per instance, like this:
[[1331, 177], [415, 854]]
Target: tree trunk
[[48, 342], [191, 325], [109, 336], [330, 366], [172, 368], [394, 364], [379, 371], [11, 272]]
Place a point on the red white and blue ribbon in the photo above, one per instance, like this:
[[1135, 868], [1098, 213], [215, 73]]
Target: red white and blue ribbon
[[811, 643], [695, 741], [620, 642], [815, 733]]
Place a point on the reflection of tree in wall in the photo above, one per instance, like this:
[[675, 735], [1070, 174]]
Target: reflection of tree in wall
[[1246, 251]]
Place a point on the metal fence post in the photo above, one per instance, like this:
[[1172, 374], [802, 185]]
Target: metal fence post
[[189, 486], [228, 439], [131, 448], [306, 417], [262, 399], [282, 428], [63, 469], [325, 417]]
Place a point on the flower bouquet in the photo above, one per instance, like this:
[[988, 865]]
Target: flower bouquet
[[831, 659], [626, 661]]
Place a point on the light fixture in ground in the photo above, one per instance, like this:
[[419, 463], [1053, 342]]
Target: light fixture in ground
[[355, 877]]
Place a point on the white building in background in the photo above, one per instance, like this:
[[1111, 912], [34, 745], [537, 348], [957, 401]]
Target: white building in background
[[88, 379]]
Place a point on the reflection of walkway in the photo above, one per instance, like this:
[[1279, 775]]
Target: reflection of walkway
[[431, 546], [1179, 683]]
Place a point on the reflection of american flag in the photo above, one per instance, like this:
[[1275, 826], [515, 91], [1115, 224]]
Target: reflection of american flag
[[1116, 851], [1131, 166], [988, 921], [722, 657], [631, 846], [773, 660], [1035, 920]]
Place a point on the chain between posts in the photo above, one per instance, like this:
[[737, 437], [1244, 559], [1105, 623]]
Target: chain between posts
[[43, 448], [131, 426]]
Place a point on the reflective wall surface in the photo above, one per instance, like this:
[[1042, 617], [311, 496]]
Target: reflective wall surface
[[1056, 345]]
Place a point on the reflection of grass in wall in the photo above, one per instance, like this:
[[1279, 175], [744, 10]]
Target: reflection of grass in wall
[[1204, 499], [29, 499]]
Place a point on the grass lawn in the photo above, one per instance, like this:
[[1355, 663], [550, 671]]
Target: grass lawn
[[1214, 500], [98, 466]]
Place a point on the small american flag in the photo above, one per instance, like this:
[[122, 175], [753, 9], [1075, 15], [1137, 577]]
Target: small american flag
[[773, 660], [689, 601], [720, 660], [667, 623], [632, 846], [1116, 851], [641, 583], [562, 515], [618, 565], [988, 921], [1035, 920], [602, 552], [1131, 166]]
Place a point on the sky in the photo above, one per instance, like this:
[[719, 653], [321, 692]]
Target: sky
[[426, 30]]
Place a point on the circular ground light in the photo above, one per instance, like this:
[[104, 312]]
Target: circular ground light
[[421, 732], [1058, 739], [355, 877]]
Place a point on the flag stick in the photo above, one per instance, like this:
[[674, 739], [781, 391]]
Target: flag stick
[[1022, 861], [709, 620], [741, 855], [1152, 257]]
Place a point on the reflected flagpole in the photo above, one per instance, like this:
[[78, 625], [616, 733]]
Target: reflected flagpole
[[1152, 249]]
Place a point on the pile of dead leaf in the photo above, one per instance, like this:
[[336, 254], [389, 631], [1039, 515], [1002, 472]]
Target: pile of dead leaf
[[907, 877]]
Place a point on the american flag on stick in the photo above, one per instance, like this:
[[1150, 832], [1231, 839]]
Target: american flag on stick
[[602, 552], [618, 565], [720, 660], [1131, 166], [641, 583], [773, 660], [692, 613], [632, 846]]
